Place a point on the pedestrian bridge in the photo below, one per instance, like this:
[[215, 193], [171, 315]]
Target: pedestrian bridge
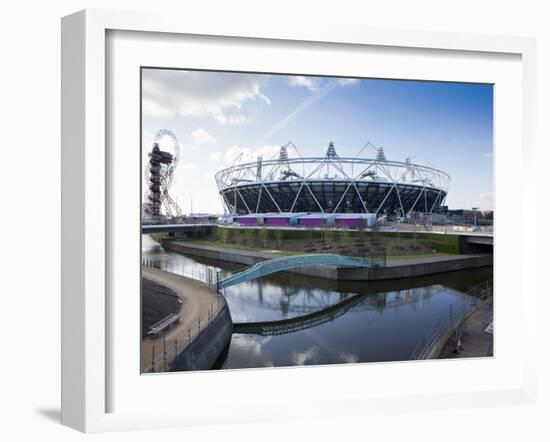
[[173, 228], [293, 262]]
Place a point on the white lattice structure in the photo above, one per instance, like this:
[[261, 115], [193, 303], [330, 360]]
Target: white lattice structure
[[331, 184]]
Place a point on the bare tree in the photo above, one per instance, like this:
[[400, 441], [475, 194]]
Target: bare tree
[[264, 236]]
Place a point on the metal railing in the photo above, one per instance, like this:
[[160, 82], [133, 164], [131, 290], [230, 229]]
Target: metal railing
[[166, 351], [444, 329], [208, 276]]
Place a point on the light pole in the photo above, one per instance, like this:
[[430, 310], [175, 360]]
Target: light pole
[[475, 209]]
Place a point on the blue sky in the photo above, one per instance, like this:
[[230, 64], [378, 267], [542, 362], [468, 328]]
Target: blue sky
[[216, 116]]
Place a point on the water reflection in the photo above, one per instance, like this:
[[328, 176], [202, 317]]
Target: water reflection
[[326, 322]]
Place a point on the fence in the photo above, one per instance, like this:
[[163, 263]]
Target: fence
[[442, 330], [208, 276], [164, 352]]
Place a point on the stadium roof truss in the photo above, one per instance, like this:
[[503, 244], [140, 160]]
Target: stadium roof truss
[[331, 184]]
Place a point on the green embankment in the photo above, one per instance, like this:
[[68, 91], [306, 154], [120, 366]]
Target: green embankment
[[202, 242], [440, 243], [289, 241]]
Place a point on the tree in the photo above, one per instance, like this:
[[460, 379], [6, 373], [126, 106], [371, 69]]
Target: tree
[[249, 235], [376, 231], [279, 236], [344, 237], [308, 238], [241, 236], [264, 236], [224, 234], [329, 236]]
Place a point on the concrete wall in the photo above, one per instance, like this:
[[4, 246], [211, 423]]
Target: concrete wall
[[473, 244], [205, 349], [448, 264], [415, 269]]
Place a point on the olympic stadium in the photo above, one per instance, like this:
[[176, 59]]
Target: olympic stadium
[[331, 185]]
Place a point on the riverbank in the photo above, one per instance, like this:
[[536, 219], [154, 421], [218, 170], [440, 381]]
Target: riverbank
[[395, 268], [200, 336], [157, 302], [476, 336]]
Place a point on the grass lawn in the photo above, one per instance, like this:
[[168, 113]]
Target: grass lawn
[[203, 242]]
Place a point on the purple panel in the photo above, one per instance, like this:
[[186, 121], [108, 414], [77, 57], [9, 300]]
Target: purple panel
[[350, 223], [247, 221], [277, 221], [311, 222]]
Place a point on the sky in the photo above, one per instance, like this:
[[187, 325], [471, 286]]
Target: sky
[[217, 116]]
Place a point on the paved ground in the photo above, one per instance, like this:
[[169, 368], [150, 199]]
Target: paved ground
[[197, 301], [477, 336]]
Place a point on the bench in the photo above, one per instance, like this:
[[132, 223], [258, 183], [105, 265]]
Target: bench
[[163, 324]]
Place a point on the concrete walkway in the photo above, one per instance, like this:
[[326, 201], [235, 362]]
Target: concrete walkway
[[197, 302], [477, 336]]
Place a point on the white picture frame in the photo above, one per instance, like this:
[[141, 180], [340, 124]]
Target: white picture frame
[[86, 257]]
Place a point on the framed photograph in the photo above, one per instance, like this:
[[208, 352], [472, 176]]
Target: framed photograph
[[240, 203]]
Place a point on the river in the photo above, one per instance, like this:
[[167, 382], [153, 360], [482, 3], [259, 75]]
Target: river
[[385, 323]]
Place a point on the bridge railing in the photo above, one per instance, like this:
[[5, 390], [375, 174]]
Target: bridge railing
[[284, 263]]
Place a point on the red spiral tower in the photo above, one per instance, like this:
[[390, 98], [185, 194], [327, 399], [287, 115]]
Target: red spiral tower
[[159, 175]]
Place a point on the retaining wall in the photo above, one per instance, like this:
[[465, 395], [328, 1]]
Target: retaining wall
[[406, 270], [205, 349]]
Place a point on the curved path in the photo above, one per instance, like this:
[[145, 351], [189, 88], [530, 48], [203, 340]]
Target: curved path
[[197, 300]]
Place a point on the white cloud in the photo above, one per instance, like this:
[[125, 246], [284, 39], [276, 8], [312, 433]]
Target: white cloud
[[314, 84], [310, 83], [169, 93], [303, 357], [189, 167], [252, 347], [349, 357], [231, 119], [347, 81], [201, 136], [246, 154], [215, 156]]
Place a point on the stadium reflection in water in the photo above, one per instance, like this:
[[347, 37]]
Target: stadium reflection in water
[[384, 323]]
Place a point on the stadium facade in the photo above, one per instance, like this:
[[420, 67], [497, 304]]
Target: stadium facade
[[331, 185]]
